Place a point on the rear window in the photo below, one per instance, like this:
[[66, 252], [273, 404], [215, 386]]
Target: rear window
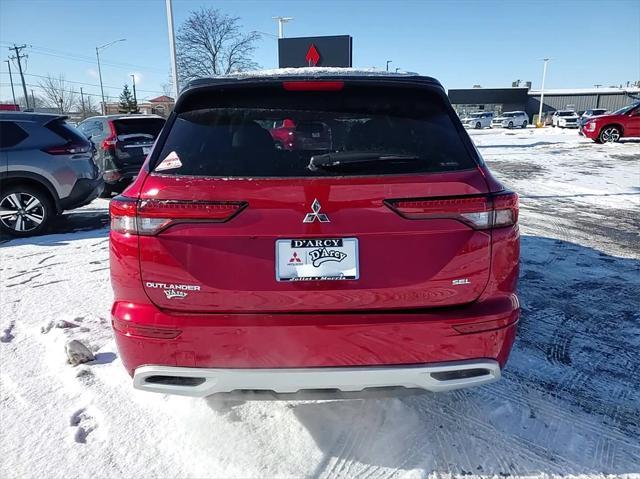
[[144, 127], [66, 131], [269, 132], [11, 134]]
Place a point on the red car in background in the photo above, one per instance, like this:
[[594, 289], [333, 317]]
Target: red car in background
[[624, 123], [388, 259], [309, 135]]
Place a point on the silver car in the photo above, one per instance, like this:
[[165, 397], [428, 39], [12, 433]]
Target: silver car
[[46, 167]]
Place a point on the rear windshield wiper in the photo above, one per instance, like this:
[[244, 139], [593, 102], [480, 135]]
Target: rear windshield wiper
[[342, 159]]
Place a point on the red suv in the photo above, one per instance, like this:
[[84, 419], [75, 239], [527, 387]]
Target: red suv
[[308, 135], [389, 260], [624, 123]]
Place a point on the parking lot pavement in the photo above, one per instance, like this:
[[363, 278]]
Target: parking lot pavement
[[568, 403]]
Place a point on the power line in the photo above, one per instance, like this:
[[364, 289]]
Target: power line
[[62, 90], [85, 83], [82, 58]]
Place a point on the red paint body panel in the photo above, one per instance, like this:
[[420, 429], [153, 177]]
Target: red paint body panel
[[316, 340], [234, 262], [429, 291]]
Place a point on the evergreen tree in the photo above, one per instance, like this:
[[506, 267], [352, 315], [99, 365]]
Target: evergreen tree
[[127, 103]]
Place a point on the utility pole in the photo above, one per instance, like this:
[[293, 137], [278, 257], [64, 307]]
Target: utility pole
[[84, 115], [18, 57], [135, 99], [389, 61], [172, 50], [33, 99], [281, 22], [61, 105], [104, 106], [544, 76], [13, 93]]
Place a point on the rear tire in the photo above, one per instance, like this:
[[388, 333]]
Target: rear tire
[[25, 211], [478, 126], [610, 134], [524, 124]]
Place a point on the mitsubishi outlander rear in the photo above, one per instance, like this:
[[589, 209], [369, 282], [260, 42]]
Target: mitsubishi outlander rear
[[387, 259]]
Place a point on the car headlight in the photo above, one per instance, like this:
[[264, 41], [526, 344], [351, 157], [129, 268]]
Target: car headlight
[[590, 126]]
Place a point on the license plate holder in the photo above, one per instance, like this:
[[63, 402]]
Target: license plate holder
[[317, 259]]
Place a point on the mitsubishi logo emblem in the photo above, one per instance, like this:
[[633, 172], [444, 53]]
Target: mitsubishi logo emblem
[[313, 57], [315, 215]]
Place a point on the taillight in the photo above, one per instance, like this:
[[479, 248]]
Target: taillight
[[110, 140], [479, 212], [122, 211], [149, 217], [68, 149], [313, 85]]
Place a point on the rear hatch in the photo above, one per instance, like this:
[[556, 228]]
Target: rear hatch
[[134, 138], [387, 217]]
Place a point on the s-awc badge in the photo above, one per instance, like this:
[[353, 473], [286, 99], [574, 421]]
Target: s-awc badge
[[317, 259]]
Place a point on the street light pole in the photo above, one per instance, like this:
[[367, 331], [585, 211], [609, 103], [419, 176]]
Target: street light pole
[[281, 22], [172, 50], [103, 109], [544, 76], [389, 61]]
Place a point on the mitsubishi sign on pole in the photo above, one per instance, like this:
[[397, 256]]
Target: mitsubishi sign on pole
[[333, 51]]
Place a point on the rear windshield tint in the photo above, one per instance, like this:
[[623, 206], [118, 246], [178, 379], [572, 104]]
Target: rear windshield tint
[[149, 127], [66, 131], [268, 132]]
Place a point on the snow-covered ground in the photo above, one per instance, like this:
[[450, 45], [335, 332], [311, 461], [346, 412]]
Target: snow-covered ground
[[569, 402]]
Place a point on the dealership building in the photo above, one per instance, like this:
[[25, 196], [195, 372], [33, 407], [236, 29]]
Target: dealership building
[[500, 100]]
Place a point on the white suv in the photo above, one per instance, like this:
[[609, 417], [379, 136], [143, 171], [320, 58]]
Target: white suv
[[511, 119], [565, 119], [478, 120]]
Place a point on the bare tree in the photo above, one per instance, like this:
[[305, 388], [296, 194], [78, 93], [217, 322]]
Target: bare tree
[[91, 108], [211, 43], [58, 93], [35, 101]]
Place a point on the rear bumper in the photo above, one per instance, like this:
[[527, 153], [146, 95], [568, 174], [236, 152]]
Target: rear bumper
[[479, 331], [83, 192], [200, 382]]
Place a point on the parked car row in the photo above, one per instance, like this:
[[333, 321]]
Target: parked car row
[[593, 123], [486, 119], [122, 143], [48, 166]]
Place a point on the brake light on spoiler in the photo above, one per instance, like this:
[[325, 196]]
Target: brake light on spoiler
[[150, 217], [313, 85], [480, 212]]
